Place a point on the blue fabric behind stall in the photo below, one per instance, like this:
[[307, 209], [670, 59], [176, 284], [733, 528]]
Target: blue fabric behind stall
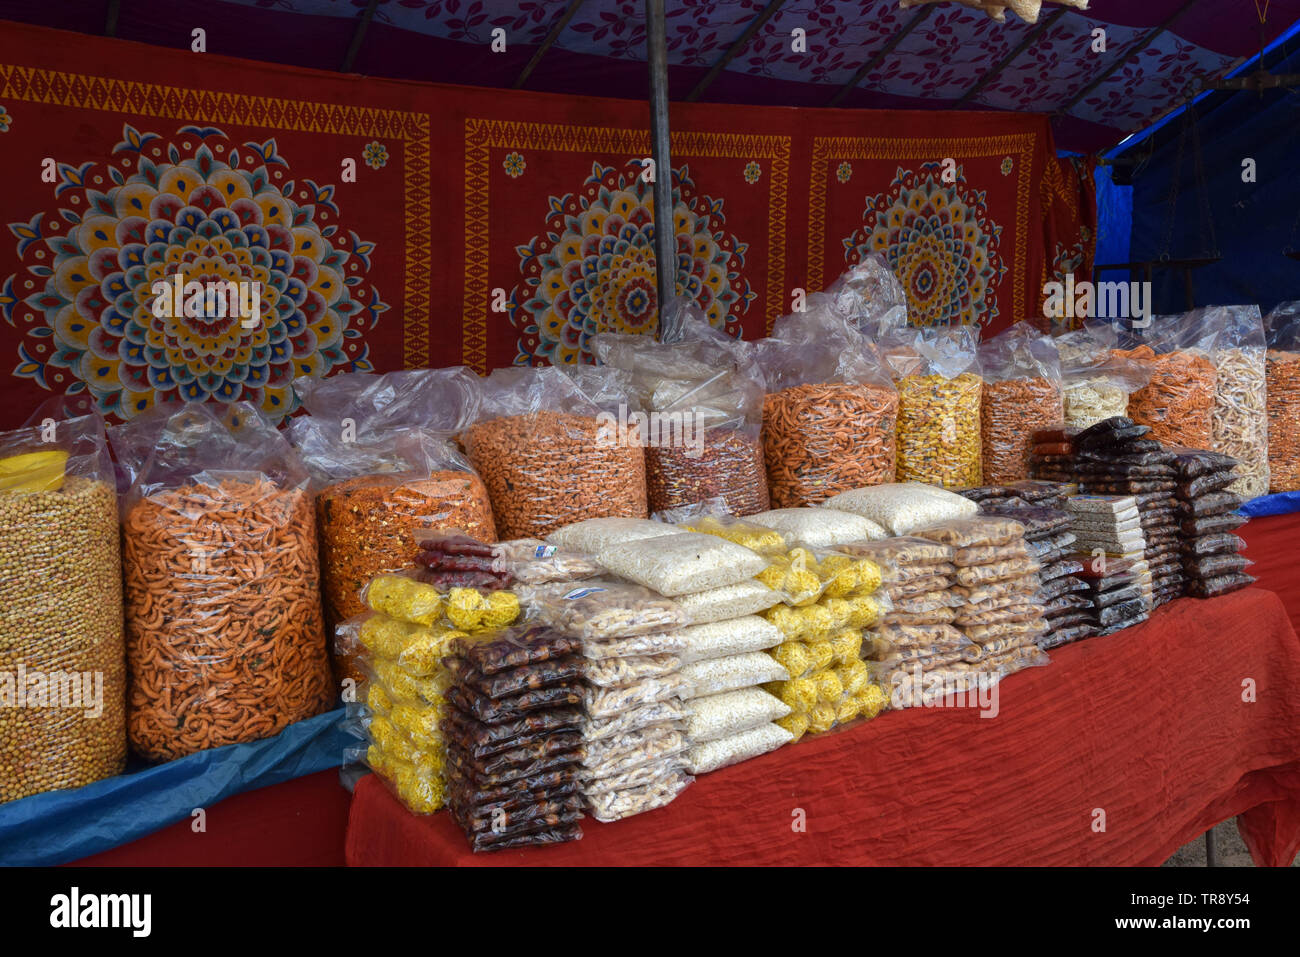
[[61, 826], [1114, 221], [1253, 222]]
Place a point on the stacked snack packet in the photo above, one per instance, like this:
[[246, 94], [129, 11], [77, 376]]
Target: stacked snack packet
[[1210, 552], [915, 639], [512, 737], [1114, 457], [631, 710], [1108, 532], [733, 718], [401, 645], [1051, 542], [997, 579]]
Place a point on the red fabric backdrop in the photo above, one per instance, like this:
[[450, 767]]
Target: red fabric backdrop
[[483, 227]]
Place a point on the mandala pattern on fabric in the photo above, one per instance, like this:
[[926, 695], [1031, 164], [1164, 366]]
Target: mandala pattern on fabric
[[212, 212], [593, 270], [941, 243]]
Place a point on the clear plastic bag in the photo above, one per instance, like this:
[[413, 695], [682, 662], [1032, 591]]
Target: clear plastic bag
[[731, 673], [610, 702], [820, 527], [221, 569], [1215, 503], [902, 507], [60, 605], [593, 534], [1222, 585], [622, 752], [727, 601], [615, 805], [1178, 402], [1015, 570], [731, 713], [1213, 544], [983, 554], [498, 710], [1240, 416], [634, 646], [1282, 374], [940, 389], [830, 412], [1215, 566], [979, 531], [728, 637], [669, 711], [681, 563], [1022, 393], [703, 398], [712, 755], [602, 609], [612, 672], [900, 551], [551, 454]]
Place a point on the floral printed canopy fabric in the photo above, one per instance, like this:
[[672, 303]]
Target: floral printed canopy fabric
[[394, 225]]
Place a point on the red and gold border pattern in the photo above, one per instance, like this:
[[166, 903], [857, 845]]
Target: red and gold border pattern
[[105, 94], [481, 136], [831, 149]]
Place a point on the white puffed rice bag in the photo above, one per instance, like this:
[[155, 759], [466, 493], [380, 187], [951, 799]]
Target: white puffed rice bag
[[737, 747], [731, 712], [682, 562], [596, 533], [900, 507], [820, 527], [729, 601], [731, 637], [716, 675]]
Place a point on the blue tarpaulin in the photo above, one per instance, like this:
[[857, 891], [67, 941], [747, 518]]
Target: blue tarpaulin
[[1253, 223], [1279, 503], [62, 826]]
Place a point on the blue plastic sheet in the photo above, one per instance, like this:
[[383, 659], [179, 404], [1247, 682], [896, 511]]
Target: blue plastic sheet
[[62, 826], [1279, 503]]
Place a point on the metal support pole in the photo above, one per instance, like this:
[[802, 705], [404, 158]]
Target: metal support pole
[[665, 241]]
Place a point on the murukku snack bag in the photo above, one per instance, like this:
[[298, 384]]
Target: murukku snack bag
[[225, 641], [1240, 417], [1022, 393], [553, 449], [383, 470], [830, 410], [60, 608], [1282, 373], [702, 397], [1178, 402], [940, 389]]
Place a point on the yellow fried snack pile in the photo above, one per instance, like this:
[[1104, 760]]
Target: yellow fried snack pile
[[402, 645], [756, 538], [829, 600]]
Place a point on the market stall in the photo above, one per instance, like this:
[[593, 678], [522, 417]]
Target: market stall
[[1133, 726]]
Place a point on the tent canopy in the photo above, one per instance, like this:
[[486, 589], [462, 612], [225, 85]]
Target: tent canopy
[[859, 53]]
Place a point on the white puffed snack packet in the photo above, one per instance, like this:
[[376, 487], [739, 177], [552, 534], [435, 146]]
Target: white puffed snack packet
[[729, 601], [716, 675], [731, 637], [820, 527], [731, 712], [901, 507], [737, 747], [682, 562], [596, 533]]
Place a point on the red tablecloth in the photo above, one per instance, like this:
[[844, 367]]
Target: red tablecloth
[[1273, 544], [1144, 732]]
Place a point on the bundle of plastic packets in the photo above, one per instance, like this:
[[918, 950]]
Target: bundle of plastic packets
[[1112, 551], [1050, 541], [631, 714], [998, 584], [1117, 457], [400, 646], [513, 737], [1207, 509], [914, 636]]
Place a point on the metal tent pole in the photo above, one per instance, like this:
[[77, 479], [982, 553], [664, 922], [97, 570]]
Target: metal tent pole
[[665, 241]]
